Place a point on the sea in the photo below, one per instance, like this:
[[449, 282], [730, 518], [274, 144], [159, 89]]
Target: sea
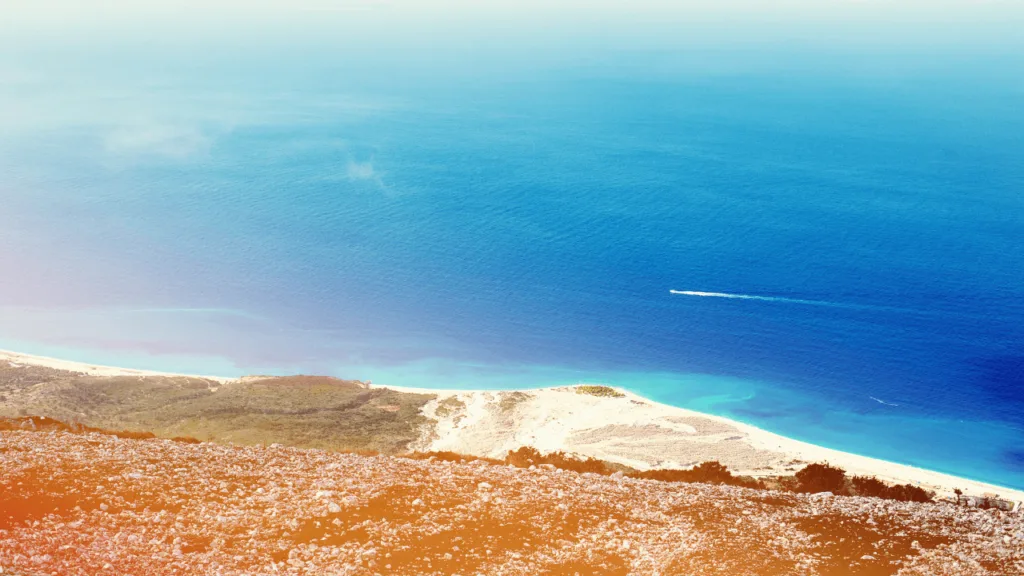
[[825, 242]]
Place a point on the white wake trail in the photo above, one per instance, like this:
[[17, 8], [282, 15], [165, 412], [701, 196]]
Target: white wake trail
[[783, 299], [829, 304], [753, 297], [721, 295]]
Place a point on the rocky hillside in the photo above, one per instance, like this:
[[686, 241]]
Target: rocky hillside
[[85, 503]]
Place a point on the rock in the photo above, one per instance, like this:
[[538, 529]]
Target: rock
[[484, 486], [333, 508]]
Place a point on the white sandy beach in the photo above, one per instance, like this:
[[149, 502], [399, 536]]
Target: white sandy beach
[[637, 432], [19, 359], [628, 429]]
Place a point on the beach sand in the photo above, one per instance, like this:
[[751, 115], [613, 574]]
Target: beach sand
[[616, 426], [19, 359], [631, 430]]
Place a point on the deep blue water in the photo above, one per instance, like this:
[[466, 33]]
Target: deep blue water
[[525, 229]]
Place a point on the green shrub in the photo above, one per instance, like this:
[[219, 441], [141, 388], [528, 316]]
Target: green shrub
[[822, 478], [909, 493], [869, 486], [604, 391]]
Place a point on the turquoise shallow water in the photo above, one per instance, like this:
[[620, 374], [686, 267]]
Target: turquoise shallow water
[[455, 228]]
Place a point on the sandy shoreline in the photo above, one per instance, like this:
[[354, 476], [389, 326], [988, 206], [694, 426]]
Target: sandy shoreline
[[625, 428], [638, 432], [17, 358]]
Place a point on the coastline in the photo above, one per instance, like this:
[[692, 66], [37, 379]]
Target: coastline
[[90, 369], [624, 427]]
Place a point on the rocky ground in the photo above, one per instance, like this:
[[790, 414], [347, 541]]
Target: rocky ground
[[96, 504]]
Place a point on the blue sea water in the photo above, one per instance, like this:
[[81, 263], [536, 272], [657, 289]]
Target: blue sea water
[[524, 227]]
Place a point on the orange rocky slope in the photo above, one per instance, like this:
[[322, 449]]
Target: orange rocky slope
[[96, 504]]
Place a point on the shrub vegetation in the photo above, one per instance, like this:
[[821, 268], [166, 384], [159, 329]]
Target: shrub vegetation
[[821, 478], [705, 473], [604, 391]]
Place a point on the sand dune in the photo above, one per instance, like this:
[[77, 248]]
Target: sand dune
[[625, 428]]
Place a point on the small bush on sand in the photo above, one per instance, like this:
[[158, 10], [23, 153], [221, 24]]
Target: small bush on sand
[[822, 478], [604, 391]]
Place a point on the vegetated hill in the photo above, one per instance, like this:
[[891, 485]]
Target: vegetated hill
[[98, 504], [305, 411]]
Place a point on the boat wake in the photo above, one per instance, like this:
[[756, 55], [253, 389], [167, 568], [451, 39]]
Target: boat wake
[[880, 401], [784, 300], [761, 298]]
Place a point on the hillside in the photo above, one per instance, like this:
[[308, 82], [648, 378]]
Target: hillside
[[304, 411], [97, 504]]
